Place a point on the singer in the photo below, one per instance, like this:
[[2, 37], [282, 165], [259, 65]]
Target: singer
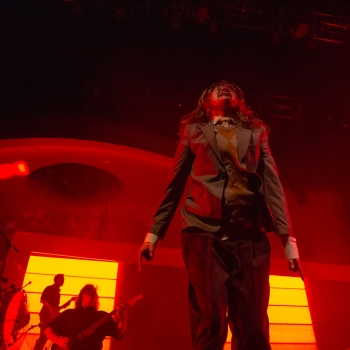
[[234, 199]]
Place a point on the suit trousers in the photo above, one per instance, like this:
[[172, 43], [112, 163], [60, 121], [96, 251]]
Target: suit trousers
[[228, 286]]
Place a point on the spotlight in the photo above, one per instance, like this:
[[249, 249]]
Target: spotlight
[[19, 168]]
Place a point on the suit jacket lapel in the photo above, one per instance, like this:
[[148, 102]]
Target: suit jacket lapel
[[208, 131]]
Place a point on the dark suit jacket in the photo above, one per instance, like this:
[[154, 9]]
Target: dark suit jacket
[[199, 157]]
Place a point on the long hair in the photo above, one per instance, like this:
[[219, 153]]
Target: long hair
[[91, 290], [244, 115]]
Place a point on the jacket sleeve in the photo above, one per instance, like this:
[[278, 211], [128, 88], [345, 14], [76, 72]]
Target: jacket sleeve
[[175, 186], [273, 189]]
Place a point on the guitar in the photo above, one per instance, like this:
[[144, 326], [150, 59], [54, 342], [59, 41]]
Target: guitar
[[82, 340], [49, 313]]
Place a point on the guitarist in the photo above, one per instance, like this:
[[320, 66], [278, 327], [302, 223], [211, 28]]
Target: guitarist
[[73, 321], [50, 298]]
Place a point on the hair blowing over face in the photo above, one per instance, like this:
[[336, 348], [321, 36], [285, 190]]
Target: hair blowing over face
[[91, 290], [244, 115]]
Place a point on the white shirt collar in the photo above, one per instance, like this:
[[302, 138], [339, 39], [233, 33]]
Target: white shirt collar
[[218, 117]]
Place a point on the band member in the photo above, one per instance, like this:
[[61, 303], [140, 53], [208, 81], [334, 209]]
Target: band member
[[234, 199], [50, 298], [71, 322]]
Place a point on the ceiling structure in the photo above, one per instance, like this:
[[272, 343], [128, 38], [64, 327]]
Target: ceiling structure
[[94, 69], [320, 20], [301, 24]]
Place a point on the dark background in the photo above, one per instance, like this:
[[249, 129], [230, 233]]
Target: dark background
[[83, 69]]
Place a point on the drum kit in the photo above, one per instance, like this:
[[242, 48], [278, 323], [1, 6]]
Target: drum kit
[[14, 316], [14, 313]]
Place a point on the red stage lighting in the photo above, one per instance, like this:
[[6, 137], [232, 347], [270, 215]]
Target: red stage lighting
[[19, 168]]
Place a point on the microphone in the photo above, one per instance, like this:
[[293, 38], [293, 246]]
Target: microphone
[[30, 282]]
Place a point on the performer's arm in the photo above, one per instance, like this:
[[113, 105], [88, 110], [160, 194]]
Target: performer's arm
[[120, 319], [60, 341], [172, 195], [277, 202], [65, 305]]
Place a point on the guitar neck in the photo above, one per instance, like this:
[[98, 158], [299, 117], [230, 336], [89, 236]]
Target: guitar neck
[[65, 304], [94, 326], [105, 318]]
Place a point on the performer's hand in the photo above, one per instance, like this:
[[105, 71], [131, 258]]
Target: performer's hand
[[62, 342], [120, 316], [147, 251], [294, 265], [122, 313]]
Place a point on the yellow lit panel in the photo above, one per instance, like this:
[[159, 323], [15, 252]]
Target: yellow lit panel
[[72, 285], [285, 333], [34, 304], [286, 282], [34, 321], [30, 340], [279, 296], [73, 267], [78, 272], [33, 301], [289, 314], [106, 304], [293, 346], [284, 346]]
